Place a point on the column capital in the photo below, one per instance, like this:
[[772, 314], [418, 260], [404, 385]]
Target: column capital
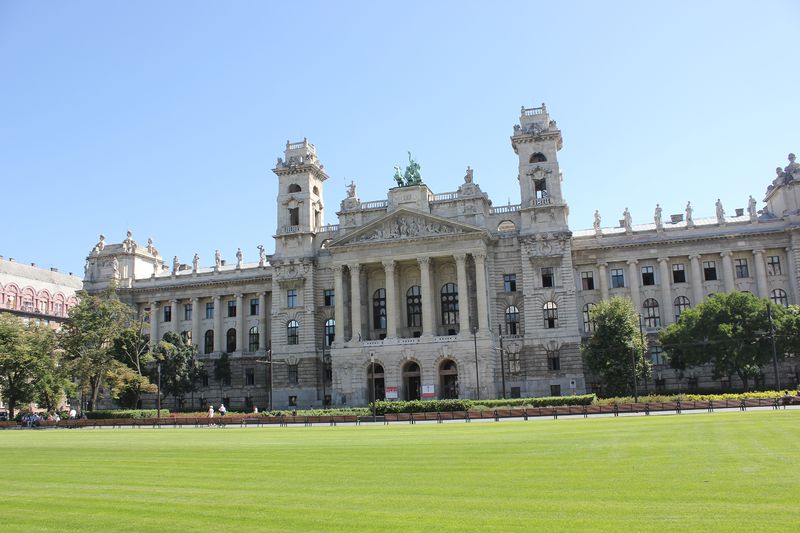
[[388, 266], [240, 295], [424, 261], [633, 262], [336, 269], [663, 259], [602, 264], [154, 304], [726, 253], [694, 257], [479, 256], [759, 252], [460, 258], [195, 299], [354, 267], [217, 297]]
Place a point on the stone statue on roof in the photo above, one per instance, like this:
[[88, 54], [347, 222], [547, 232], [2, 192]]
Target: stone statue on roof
[[792, 170], [689, 211], [351, 189], [720, 212], [751, 209], [596, 223], [657, 217], [627, 220], [468, 176], [195, 263], [412, 174], [262, 255]]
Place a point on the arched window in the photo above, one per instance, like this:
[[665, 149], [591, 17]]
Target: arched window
[[512, 320], [449, 295], [294, 188], [538, 157], [652, 315], [448, 380], [230, 340], [293, 332], [588, 323], [209, 341], [414, 306], [506, 226], [681, 304], [379, 309], [550, 313], [253, 339], [375, 379], [330, 331], [779, 297]]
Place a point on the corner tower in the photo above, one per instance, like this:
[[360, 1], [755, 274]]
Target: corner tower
[[300, 200], [536, 141]]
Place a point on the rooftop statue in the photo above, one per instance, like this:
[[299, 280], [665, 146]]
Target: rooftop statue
[[792, 170], [411, 176], [351, 189]]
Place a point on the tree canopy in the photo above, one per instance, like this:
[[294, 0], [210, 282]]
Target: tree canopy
[[615, 344]]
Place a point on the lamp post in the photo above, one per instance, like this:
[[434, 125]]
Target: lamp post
[[372, 374], [158, 415], [268, 362], [502, 360], [774, 350], [324, 341], [474, 330]]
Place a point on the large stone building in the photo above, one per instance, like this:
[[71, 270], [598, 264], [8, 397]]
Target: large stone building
[[446, 295]]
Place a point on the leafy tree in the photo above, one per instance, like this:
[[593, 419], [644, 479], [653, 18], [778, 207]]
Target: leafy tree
[[26, 358], [729, 331], [615, 344], [132, 349], [222, 369], [179, 374], [89, 337]]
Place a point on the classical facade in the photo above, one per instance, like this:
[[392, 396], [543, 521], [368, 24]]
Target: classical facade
[[425, 295]]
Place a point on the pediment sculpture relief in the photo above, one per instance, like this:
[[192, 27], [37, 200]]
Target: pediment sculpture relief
[[407, 228]]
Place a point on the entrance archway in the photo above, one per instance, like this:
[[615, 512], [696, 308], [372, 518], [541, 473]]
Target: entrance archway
[[377, 379], [411, 381], [448, 380]]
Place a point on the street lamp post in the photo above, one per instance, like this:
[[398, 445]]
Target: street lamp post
[[372, 373], [502, 360], [774, 350], [158, 415], [474, 330]]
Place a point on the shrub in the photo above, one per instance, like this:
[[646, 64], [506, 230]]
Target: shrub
[[656, 398], [125, 413], [547, 401], [432, 406]]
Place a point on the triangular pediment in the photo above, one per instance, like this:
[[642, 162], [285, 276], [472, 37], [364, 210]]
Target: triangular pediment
[[406, 224]]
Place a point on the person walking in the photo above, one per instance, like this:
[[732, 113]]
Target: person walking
[[222, 409], [210, 414]]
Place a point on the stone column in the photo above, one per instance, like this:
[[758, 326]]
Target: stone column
[[480, 287], [262, 320], [154, 309], [463, 294], [176, 326], [428, 313], [338, 304], [761, 273], [218, 334], [196, 333], [240, 336], [355, 300], [602, 273], [792, 275], [727, 271], [391, 300], [696, 279], [633, 281], [668, 315]]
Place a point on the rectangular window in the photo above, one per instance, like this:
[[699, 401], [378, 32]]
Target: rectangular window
[[210, 310], [253, 306], [328, 298], [555, 390], [678, 273], [292, 375], [740, 266], [657, 355], [773, 265], [547, 277], [291, 298], [514, 365], [187, 312], [249, 376], [553, 361], [587, 281], [231, 308], [709, 270], [509, 282], [617, 278], [648, 276], [167, 313], [516, 392]]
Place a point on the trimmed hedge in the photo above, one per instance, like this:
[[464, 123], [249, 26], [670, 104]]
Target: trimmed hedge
[[433, 406], [655, 398], [125, 413]]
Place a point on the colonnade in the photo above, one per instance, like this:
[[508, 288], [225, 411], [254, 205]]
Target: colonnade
[[395, 302]]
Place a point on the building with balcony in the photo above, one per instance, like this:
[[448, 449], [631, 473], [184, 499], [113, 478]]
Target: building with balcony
[[440, 295]]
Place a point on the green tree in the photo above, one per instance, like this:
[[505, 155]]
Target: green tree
[[179, 374], [730, 332], [26, 358], [88, 340], [132, 349], [615, 344]]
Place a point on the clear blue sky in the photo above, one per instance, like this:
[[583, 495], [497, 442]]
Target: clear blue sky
[[166, 117]]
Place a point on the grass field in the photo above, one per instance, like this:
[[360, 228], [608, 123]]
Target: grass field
[[709, 472]]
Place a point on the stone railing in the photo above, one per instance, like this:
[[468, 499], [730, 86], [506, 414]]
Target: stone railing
[[504, 209], [445, 196], [290, 229], [328, 228], [542, 201], [377, 204], [530, 111]]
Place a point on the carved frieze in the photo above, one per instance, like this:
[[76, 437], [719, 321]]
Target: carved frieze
[[407, 227]]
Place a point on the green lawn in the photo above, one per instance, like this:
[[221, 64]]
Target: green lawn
[[709, 472]]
